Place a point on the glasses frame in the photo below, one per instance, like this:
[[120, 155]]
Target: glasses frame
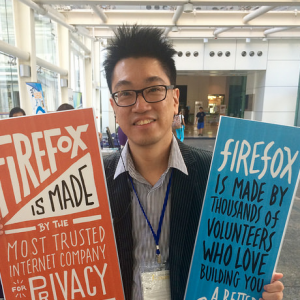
[[167, 87]]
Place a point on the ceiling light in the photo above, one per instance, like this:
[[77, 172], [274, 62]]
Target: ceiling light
[[188, 7], [248, 40], [205, 40], [174, 29], [264, 39]]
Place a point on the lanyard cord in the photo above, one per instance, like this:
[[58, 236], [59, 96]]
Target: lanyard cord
[[155, 235]]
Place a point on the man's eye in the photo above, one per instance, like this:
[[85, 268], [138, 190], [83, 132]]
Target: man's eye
[[155, 89], [125, 94]]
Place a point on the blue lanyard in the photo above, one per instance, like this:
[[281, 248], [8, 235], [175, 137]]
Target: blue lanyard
[[155, 235]]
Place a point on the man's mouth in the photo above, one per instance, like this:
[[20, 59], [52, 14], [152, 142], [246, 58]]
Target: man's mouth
[[143, 122]]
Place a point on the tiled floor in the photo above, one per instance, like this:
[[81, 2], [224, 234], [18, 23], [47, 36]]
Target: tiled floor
[[289, 260], [210, 130]]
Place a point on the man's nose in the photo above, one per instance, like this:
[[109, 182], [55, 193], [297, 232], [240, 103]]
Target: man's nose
[[141, 103]]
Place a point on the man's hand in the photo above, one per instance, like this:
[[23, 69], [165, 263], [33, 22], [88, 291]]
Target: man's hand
[[273, 291]]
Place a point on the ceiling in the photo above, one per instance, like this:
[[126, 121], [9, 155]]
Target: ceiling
[[182, 19]]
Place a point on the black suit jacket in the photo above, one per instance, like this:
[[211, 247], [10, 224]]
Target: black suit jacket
[[186, 203]]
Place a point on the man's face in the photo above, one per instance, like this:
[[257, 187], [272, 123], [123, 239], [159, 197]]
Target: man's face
[[144, 123]]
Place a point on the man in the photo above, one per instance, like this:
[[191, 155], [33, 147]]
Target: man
[[65, 106], [201, 119], [157, 177], [16, 112]]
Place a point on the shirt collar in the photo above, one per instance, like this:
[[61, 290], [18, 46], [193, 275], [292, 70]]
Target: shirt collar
[[175, 159]]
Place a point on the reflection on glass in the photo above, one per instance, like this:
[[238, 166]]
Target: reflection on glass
[[46, 39], [46, 49], [77, 69], [49, 82], [7, 33], [9, 88]]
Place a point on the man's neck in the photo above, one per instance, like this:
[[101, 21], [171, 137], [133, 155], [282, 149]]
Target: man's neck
[[151, 161]]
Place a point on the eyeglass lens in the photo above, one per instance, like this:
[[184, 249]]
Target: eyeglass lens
[[151, 94]]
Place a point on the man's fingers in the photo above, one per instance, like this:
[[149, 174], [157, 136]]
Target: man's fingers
[[274, 287], [276, 276], [272, 296], [273, 291], [1, 227]]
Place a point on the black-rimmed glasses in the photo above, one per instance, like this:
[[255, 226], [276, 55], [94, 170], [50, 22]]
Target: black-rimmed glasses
[[151, 94]]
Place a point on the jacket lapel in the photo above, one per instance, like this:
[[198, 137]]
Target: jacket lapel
[[120, 203], [181, 204]]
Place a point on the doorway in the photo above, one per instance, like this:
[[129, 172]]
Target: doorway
[[182, 96]]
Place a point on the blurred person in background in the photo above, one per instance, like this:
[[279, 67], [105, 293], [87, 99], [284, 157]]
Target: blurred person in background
[[17, 112]]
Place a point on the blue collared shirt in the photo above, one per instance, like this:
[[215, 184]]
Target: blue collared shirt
[[152, 198]]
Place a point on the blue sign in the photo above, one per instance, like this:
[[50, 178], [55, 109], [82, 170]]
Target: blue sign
[[248, 199]]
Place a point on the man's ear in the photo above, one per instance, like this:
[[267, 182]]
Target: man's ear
[[112, 103], [176, 100]]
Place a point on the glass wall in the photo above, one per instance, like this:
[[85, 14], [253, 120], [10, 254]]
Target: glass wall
[[7, 22], [77, 75], [46, 49], [9, 89], [237, 96], [46, 39]]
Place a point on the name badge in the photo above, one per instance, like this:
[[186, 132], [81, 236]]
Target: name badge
[[156, 285]]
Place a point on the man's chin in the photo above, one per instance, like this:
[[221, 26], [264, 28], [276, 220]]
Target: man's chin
[[143, 141], [148, 140]]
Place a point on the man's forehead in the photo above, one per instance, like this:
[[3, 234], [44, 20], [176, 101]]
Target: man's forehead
[[146, 81], [145, 70]]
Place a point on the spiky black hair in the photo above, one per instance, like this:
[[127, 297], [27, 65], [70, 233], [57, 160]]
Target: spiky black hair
[[138, 42]]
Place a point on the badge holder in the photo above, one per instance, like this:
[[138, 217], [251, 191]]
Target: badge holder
[[155, 279]]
